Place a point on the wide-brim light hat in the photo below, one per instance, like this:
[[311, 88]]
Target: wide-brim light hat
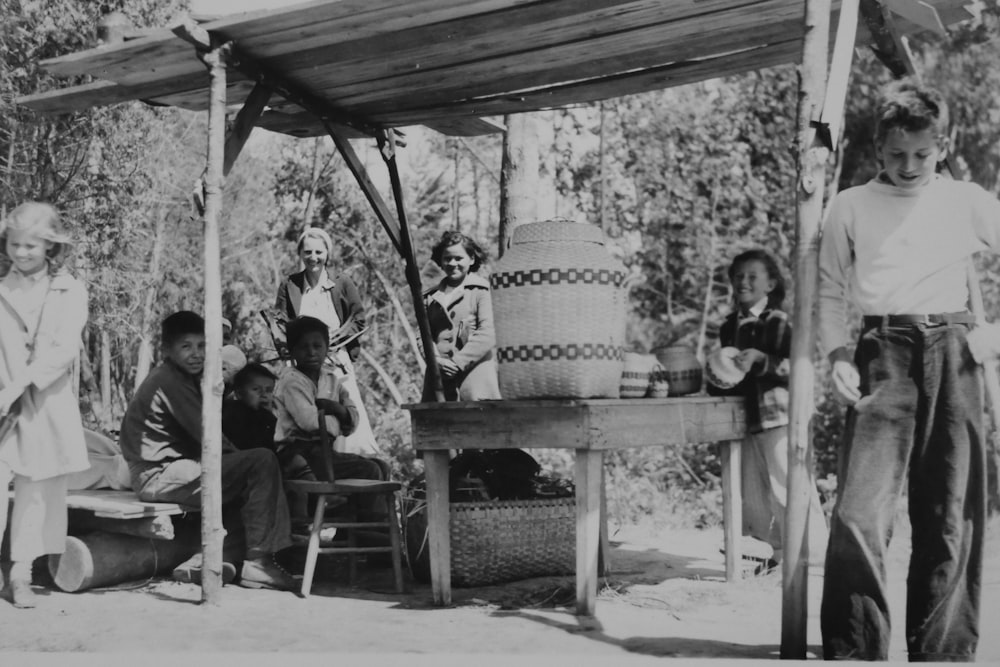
[[721, 370]]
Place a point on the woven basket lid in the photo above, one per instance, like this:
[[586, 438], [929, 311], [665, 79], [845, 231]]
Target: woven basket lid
[[557, 230]]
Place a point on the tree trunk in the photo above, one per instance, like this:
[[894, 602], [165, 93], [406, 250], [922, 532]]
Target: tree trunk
[[145, 360], [710, 286], [518, 176], [105, 378]]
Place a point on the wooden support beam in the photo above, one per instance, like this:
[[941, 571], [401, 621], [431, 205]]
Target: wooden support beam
[[236, 138], [812, 157], [187, 29], [212, 532], [243, 125], [433, 388], [357, 167], [886, 40]]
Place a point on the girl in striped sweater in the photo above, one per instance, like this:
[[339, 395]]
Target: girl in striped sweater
[[760, 329]]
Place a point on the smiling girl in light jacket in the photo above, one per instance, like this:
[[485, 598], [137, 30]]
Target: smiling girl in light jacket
[[43, 310]]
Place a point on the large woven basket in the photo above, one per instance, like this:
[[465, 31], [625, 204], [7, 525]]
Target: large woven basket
[[498, 540], [559, 313]]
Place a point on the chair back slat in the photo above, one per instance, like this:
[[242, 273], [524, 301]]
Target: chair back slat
[[324, 445]]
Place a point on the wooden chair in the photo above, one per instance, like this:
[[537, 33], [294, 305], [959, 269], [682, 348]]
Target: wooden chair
[[328, 493]]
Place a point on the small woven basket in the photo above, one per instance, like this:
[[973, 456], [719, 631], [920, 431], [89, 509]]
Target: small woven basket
[[559, 313], [497, 540]]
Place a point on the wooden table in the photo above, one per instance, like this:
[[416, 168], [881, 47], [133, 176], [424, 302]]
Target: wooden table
[[589, 427]]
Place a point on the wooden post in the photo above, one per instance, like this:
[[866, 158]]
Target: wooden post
[[587, 474], [732, 507], [357, 167], [518, 176], [809, 210], [211, 386], [387, 147]]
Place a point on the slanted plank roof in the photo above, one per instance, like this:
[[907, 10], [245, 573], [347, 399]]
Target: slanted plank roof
[[447, 64]]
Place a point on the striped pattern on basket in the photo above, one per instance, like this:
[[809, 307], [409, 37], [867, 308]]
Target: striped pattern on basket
[[556, 277], [550, 352]]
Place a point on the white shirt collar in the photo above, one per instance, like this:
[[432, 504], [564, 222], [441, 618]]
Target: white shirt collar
[[33, 278], [324, 282], [758, 307]]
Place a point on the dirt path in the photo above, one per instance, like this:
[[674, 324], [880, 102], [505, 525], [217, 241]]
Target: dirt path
[[666, 597]]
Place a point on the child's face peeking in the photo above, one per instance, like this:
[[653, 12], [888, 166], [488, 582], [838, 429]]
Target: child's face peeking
[[310, 352], [187, 352], [27, 250], [455, 262], [909, 158], [751, 282], [256, 393], [313, 254]]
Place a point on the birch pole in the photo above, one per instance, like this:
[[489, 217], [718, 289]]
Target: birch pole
[[812, 157], [212, 532]]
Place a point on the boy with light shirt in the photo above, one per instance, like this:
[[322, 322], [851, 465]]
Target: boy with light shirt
[[898, 247]]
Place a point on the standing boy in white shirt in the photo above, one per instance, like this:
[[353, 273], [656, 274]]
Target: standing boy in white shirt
[[898, 247]]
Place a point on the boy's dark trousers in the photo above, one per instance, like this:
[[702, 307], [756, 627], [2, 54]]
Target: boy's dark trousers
[[919, 420], [250, 478]]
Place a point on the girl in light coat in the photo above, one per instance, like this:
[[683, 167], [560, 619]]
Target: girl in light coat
[[43, 310], [460, 311]]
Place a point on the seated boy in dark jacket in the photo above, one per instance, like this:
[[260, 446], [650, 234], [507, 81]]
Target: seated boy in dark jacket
[[161, 439]]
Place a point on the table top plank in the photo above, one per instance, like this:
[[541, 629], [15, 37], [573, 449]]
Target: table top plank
[[576, 423]]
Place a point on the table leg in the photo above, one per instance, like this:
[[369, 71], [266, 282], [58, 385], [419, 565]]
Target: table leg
[[588, 527], [732, 508], [439, 537], [604, 554]]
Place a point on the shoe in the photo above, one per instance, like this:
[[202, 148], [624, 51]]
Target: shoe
[[189, 572], [265, 573], [21, 594], [768, 566]]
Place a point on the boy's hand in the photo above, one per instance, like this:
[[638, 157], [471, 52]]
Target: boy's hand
[[747, 358], [846, 379], [984, 342], [448, 367], [332, 408]]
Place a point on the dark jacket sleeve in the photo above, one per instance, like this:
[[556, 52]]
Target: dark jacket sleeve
[[347, 302], [775, 342], [282, 304]]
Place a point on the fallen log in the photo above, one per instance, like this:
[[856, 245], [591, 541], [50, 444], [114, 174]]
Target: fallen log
[[105, 559]]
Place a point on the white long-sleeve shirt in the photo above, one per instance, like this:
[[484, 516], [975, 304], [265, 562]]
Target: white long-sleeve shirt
[[893, 251]]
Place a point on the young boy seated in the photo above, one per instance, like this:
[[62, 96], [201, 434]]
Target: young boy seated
[[310, 385], [248, 422], [161, 440]]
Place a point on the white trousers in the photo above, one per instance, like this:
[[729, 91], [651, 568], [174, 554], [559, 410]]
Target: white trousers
[[764, 477], [362, 440], [38, 521]]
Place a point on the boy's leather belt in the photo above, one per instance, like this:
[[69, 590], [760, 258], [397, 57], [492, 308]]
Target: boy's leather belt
[[872, 321]]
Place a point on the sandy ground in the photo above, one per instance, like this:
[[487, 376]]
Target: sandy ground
[[665, 597]]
